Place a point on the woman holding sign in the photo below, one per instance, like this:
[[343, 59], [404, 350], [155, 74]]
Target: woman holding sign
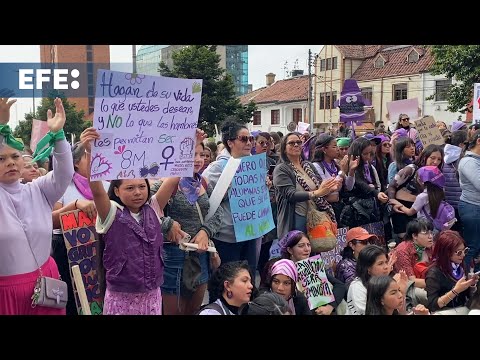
[[133, 242], [25, 214]]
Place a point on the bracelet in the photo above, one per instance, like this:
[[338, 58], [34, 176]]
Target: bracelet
[[76, 204], [449, 297], [455, 293]]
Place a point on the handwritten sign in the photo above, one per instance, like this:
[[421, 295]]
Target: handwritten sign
[[274, 251], [376, 228], [147, 126], [250, 200], [334, 256], [82, 249], [312, 281], [302, 127], [39, 130], [428, 131], [476, 103]]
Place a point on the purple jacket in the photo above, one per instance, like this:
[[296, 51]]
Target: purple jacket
[[133, 253]]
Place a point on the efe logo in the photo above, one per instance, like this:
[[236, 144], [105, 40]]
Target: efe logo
[[26, 78]]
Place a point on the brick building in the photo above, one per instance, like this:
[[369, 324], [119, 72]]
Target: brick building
[[94, 56]]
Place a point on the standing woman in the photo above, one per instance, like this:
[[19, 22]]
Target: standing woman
[[383, 159], [133, 241], [469, 205], [26, 215], [296, 181]]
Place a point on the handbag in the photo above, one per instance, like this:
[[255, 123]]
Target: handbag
[[50, 292], [321, 230]]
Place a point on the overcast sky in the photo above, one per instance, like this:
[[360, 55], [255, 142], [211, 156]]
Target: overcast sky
[[262, 59]]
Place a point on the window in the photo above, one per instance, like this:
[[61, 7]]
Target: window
[[257, 118], [329, 63], [322, 65], [334, 63], [379, 63], [89, 56], [412, 57], [400, 92], [441, 89], [275, 117], [322, 101], [367, 94], [327, 100], [91, 104], [297, 115]]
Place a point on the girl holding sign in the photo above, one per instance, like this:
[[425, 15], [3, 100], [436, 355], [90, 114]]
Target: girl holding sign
[[25, 214], [133, 242]]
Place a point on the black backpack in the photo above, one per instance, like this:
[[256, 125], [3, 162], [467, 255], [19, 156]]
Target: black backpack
[[212, 306]]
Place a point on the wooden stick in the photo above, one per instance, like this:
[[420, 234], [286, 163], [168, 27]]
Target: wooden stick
[[82, 295]]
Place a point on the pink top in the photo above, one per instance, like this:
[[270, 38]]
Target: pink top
[[26, 215]]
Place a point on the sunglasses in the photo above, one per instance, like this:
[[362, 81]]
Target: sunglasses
[[264, 143], [386, 144], [362, 242], [244, 138], [295, 143], [461, 252], [407, 119]]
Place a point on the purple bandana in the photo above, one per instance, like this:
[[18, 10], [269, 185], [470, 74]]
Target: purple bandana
[[81, 183], [190, 187], [368, 176], [331, 168]]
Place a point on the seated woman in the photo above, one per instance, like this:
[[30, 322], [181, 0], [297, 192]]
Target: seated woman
[[230, 286], [296, 246], [357, 238], [268, 303], [446, 284]]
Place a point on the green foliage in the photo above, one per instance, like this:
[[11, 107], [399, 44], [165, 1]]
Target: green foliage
[[459, 62], [75, 123], [218, 91]]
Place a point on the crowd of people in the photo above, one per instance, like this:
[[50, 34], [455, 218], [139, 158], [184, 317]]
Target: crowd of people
[[426, 198]]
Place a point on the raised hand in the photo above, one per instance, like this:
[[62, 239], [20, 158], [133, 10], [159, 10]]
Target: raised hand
[[87, 136], [200, 135], [56, 123], [5, 106]]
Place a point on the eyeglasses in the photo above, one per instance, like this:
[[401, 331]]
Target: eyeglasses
[[244, 138], [386, 144], [428, 233], [264, 143], [461, 252], [407, 119], [295, 143], [362, 242]]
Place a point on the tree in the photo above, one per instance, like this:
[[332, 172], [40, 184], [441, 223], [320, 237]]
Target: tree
[[75, 123], [218, 91], [461, 62]]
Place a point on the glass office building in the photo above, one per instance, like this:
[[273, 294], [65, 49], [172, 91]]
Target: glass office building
[[148, 58]]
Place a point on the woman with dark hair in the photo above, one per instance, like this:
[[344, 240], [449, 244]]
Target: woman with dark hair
[[404, 123], [25, 215], [372, 261], [238, 143], [296, 181], [324, 155], [131, 242], [446, 282], [469, 204], [454, 149], [383, 159], [383, 296], [268, 303], [263, 143], [362, 207], [405, 187], [229, 287], [404, 153]]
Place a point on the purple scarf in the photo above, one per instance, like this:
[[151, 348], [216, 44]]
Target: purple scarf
[[331, 168], [457, 271], [81, 183], [368, 176], [190, 187]]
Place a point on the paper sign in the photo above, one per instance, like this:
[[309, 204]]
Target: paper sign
[[250, 199], [302, 127], [147, 126], [81, 241], [395, 108], [476, 103], [312, 281], [428, 131], [334, 256], [39, 130]]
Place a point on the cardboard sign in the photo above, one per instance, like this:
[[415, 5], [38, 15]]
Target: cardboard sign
[[428, 131], [81, 241], [476, 103], [39, 130], [313, 282], [395, 108], [334, 256]]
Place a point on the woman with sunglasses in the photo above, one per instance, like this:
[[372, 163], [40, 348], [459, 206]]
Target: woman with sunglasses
[[357, 238], [383, 159], [404, 123], [238, 143], [296, 181], [446, 281]]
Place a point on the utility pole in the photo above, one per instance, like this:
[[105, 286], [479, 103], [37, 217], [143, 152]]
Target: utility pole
[[310, 103]]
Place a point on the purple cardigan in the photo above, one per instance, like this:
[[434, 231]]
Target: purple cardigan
[[26, 215]]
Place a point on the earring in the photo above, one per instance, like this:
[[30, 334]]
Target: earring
[[229, 294]]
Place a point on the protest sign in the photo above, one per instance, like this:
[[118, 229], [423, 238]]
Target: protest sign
[[302, 127], [376, 228], [334, 256], [312, 281], [428, 131], [476, 103], [147, 126], [395, 108], [82, 249], [39, 130], [250, 199]]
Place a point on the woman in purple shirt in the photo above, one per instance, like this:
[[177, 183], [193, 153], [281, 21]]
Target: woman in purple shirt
[[26, 215]]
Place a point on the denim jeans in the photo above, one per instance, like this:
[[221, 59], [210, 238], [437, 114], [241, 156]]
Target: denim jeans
[[470, 216]]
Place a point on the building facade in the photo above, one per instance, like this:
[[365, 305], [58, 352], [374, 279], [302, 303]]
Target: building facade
[[148, 58], [94, 56]]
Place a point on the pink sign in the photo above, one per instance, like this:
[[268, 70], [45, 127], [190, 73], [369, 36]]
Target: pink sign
[[395, 108], [39, 130]]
